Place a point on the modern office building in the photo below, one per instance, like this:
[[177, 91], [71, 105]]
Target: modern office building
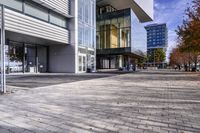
[[157, 38], [121, 36], [59, 35], [49, 35]]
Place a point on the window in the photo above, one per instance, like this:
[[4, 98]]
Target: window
[[80, 9], [87, 36], [87, 23], [58, 20], [87, 11], [36, 11], [93, 15], [15, 4], [80, 35]]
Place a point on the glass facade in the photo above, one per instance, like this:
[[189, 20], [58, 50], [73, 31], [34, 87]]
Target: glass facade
[[105, 9], [86, 34], [120, 37], [114, 31], [156, 39], [156, 36], [138, 36], [87, 23], [121, 29], [29, 58]]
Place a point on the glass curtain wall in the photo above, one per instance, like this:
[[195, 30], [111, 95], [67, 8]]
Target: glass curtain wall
[[114, 31], [86, 34], [138, 36], [87, 23]]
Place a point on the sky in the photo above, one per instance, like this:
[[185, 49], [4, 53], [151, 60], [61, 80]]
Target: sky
[[171, 12]]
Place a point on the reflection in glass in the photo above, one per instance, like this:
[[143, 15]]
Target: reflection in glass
[[113, 35], [16, 58]]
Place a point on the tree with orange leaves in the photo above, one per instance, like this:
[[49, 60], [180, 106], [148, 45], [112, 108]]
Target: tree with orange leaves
[[189, 32], [179, 59]]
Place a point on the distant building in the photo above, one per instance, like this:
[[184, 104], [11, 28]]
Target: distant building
[[157, 38]]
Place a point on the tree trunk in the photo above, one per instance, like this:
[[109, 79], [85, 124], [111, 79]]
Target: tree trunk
[[179, 67], [186, 67], [195, 63], [189, 66]]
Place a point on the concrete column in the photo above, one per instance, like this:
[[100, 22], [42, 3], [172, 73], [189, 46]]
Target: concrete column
[[8, 56], [120, 61], [36, 59], [119, 36], [24, 61], [3, 67], [109, 62], [47, 70]]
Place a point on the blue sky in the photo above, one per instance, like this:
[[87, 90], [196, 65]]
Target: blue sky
[[170, 12]]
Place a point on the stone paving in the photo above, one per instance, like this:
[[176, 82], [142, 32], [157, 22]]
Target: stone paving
[[46, 79], [143, 102]]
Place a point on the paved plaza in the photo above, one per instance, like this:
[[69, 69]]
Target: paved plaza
[[141, 102]]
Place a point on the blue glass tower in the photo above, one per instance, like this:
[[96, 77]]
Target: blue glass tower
[[157, 38]]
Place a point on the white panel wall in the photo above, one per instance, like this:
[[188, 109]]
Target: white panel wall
[[23, 24], [62, 6], [62, 59]]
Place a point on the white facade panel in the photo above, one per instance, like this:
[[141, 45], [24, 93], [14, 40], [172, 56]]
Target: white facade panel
[[147, 6], [61, 6], [20, 23], [142, 8]]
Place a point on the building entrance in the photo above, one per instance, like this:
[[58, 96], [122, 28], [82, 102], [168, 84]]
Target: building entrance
[[82, 63], [26, 58]]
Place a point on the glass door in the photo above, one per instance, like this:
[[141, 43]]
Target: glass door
[[91, 62], [82, 63], [42, 59], [30, 59]]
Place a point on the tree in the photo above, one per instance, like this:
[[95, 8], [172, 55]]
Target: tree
[[157, 55], [160, 55], [189, 32], [179, 59], [142, 61]]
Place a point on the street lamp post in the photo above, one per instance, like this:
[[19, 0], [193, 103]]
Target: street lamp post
[[3, 71]]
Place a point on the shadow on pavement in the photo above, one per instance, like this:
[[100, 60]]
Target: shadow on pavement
[[41, 80]]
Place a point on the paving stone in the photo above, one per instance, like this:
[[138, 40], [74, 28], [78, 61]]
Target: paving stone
[[147, 101], [5, 131]]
